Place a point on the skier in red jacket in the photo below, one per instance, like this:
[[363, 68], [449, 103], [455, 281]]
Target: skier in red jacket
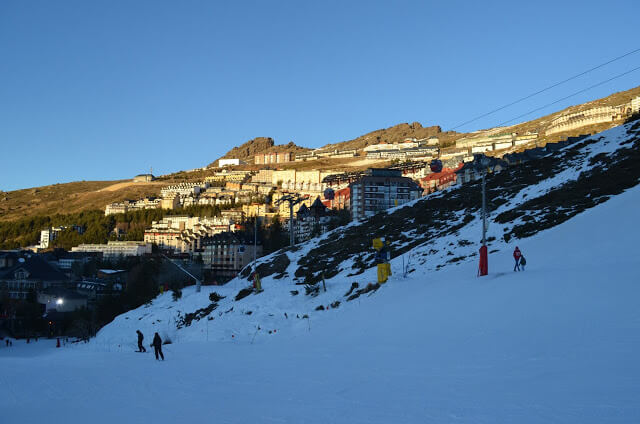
[[517, 255]]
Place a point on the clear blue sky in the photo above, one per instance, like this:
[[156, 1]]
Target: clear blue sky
[[105, 89]]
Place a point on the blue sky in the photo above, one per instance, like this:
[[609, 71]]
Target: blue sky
[[106, 89]]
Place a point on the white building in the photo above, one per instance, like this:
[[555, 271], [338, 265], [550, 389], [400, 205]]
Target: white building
[[409, 143], [595, 115], [128, 205], [527, 138], [115, 249], [46, 236], [51, 233], [184, 189], [228, 162], [499, 145], [635, 105], [183, 233], [482, 148]]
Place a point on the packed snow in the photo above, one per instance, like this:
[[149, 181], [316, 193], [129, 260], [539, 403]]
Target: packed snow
[[555, 343]]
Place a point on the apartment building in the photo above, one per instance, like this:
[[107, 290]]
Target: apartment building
[[256, 209], [225, 254], [264, 176], [228, 162], [170, 201], [596, 115], [635, 105], [303, 157], [116, 208], [237, 216], [116, 249], [439, 180], [184, 189], [310, 220], [293, 180], [341, 199], [530, 137], [270, 158], [49, 234], [381, 189], [183, 234], [132, 205], [405, 153], [29, 274], [282, 208]]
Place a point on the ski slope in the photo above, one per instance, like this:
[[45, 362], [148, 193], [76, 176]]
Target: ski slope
[[557, 343]]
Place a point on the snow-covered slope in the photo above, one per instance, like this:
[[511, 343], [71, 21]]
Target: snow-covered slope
[[437, 233], [557, 343]]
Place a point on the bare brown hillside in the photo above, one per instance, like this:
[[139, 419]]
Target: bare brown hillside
[[70, 197]]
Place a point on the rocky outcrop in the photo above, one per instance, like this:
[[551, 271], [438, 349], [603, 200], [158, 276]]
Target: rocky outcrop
[[248, 150]]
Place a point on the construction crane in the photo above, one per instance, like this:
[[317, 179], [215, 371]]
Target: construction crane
[[293, 199]]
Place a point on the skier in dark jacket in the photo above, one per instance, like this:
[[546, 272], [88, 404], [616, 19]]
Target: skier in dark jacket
[[516, 256], [140, 339], [157, 346], [523, 262]]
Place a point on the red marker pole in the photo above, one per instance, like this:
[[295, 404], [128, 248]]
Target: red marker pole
[[483, 269], [484, 258]]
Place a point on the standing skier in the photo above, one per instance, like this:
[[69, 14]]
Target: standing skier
[[523, 262], [140, 339], [157, 346], [516, 256]]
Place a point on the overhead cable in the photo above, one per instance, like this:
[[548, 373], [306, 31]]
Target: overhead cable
[[546, 88]]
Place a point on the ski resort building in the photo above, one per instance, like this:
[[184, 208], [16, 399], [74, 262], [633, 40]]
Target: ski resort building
[[595, 115], [267, 158], [29, 274], [635, 105], [380, 189], [183, 234], [116, 249], [225, 254]]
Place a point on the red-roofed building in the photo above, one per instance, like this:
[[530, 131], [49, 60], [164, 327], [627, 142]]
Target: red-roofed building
[[439, 180]]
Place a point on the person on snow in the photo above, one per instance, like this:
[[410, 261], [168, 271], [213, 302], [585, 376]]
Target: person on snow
[[157, 346], [523, 261], [517, 255], [140, 339]]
